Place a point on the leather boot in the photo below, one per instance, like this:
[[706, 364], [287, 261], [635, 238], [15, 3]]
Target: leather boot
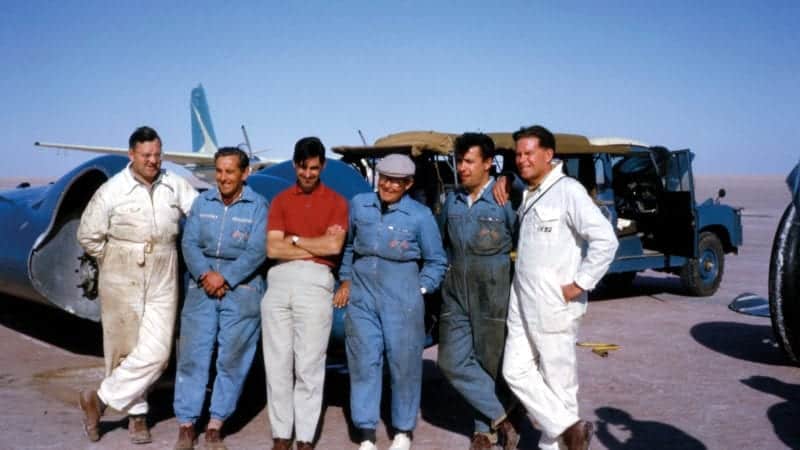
[[92, 408], [138, 429], [480, 441], [281, 444], [508, 435], [578, 435], [304, 446], [187, 437], [213, 440]]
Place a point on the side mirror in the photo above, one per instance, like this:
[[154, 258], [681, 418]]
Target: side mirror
[[720, 194]]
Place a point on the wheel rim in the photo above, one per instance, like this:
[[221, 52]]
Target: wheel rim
[[709, 266]]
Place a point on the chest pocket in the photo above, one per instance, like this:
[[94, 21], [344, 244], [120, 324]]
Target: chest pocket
[[398, 243], [365, 240], [240, 230], [489, 235], [130, 220], [209, 228], [546, 224]]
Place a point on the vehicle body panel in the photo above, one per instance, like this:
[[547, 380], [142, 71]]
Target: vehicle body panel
[[40, 259]]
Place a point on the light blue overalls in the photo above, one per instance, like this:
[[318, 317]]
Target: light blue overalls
[[230, 240], [389, 257]]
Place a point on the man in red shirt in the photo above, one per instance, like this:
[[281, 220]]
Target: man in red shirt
[[306, 229]]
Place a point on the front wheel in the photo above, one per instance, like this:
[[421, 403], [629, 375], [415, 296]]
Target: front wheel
[[784, 284], [701, 276]]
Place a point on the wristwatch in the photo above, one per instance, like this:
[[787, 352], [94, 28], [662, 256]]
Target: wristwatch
[[295, 240]]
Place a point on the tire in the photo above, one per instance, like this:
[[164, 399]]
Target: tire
[[784, 284], [619, 281], [701, 276]]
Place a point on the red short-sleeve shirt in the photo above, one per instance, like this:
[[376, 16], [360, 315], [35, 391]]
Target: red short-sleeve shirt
[[308, 215]]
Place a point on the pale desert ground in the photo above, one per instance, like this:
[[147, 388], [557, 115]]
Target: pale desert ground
[[691, 374]]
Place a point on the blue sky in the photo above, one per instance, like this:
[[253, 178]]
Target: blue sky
[[720, 78]]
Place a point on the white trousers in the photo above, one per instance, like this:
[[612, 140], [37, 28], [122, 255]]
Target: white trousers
[[138, 300], [296, 317], [540, 366]]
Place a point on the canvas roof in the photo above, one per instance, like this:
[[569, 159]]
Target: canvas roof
[[417, 142]]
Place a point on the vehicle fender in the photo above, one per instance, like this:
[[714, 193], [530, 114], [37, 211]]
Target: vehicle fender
[[722, 220]]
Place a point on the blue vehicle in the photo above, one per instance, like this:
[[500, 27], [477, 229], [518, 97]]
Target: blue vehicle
[[646, 192], [784, 274], [40, 259]]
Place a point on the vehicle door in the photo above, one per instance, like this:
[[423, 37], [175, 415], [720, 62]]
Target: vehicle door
[[677, 233]]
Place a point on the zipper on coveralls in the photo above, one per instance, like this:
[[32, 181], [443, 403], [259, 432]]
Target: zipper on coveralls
[[148, 246], [221, 229]]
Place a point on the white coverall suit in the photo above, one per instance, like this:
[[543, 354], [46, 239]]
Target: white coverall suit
[[556, 220], [130, 230]]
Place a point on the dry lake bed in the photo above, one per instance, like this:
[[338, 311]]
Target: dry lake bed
[[690, 374]]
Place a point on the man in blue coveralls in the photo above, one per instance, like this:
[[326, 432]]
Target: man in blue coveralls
[[224, 245], [472, 331], [393, 256]]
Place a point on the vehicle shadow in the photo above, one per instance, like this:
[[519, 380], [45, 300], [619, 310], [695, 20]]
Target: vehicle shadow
[[337, 393], [443, 407], [617, 430], [53, 326], [783, 415], [748, 342], [642, 285], [253, 399]]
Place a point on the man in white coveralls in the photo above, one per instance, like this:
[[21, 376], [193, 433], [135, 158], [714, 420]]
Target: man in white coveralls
[[130, 226], [548, 295]]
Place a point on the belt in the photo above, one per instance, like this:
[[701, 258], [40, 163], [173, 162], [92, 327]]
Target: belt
[[145, 248]]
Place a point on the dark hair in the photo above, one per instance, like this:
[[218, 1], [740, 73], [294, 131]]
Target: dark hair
[[308, 147], [142, 134], [468, 140], [244, 160], [546, 138]]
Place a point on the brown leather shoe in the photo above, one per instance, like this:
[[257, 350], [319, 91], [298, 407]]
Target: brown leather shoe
[[578, 435], [92, 409], [304, 446], [480, 441], [508, 435], [281, 444], [213, 440], [138, 429], [187, 437]]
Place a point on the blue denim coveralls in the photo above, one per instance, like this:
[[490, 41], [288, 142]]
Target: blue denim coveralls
[[386, 310], [472, 327], [230, 240]]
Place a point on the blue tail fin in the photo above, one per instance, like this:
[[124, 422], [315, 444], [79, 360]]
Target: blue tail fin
[[203, 138]]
